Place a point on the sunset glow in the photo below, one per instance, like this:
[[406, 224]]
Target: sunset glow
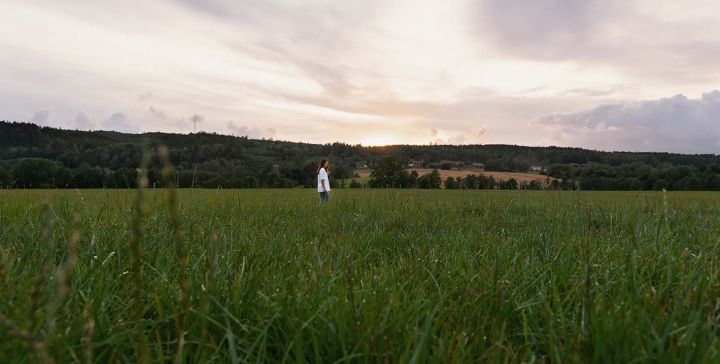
[[372, 72]]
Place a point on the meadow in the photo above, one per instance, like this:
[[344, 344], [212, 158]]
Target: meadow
[[448, 276]]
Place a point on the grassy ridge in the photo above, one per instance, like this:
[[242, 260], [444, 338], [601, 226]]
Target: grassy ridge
[[374, 276]]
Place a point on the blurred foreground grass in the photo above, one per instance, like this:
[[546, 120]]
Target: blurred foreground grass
[[374, 276]]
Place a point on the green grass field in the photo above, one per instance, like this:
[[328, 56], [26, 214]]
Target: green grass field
[[374, 276]]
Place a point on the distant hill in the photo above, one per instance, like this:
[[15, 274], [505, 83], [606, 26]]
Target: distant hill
[[34, 156]]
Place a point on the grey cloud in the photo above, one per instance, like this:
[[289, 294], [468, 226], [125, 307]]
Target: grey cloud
[[506, 117], [332, 79], [83, 121], [595, 91], [542, 28], [308, 35], [674, 124], [312, 36], [466, 113], [157, 113], [251, 132], [330, 75], [300, 20], [118, 122], [472, 136], [532, 90], [611, 34], [237, 130], [41, 117], [325, 26]]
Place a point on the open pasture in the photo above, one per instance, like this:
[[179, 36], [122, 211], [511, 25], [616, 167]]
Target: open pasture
[[498, 176], [374, 276]]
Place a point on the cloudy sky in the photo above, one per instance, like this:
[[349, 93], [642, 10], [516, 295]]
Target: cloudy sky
[[613, 75]]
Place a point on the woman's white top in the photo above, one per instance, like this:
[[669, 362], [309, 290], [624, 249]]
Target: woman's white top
[[322, 175]]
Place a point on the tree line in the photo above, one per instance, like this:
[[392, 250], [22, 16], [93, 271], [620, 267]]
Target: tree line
[[41, 157]]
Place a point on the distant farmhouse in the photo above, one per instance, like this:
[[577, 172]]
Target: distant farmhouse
[[537, 169]]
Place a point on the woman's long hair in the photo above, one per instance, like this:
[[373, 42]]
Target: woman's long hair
[[322, 165]]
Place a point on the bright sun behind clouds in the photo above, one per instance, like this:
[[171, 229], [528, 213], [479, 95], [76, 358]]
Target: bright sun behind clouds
[[378, 140]]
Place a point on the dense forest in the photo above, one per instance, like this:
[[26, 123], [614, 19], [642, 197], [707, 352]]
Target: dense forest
[[43, 157]]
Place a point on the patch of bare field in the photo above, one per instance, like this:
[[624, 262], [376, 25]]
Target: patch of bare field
[[498, 176]]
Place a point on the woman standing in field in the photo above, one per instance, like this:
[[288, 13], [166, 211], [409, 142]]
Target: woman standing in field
[[324, 181]]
